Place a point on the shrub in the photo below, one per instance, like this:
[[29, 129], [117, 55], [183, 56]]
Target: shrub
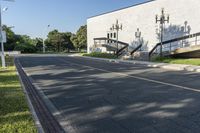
[[26, 48]]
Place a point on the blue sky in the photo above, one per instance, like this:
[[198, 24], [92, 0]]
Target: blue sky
[[31, 17]]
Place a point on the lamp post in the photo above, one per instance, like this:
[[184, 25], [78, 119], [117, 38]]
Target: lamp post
[[162, 19], [43, 42], [1, 35], [117, 27]]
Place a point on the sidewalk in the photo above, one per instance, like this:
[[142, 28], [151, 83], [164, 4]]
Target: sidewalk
[[177, 67]]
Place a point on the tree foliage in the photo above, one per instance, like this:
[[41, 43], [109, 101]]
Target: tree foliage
[[59, 41], [56, 41], [21, 43], [80, 39], [11, 38]]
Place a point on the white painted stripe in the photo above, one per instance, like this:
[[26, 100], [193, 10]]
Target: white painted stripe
[[137, 77]]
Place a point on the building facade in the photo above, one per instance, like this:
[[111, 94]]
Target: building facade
[[184, 19]]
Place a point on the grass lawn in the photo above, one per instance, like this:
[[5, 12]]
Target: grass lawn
[[15, 116], [101, 55], [192, 61]]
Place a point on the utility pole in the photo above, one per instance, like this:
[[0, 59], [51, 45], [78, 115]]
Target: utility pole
[[162, 19], [117, 27], [1, 37]]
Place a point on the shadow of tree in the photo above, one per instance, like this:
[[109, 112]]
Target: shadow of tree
[[94, 100], [172, 32]]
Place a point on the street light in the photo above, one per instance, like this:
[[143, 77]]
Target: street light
[[117, 27], [43, 41], [1, 34], [162, 19]]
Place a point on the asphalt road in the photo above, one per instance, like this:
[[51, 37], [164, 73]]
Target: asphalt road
[[92, 96]]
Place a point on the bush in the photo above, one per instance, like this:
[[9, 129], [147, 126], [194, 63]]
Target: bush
[[26, 48], [101, 55]]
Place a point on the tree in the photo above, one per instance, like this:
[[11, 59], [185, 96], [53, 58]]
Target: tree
[[38, 42], [25, 44], [54, 40], [67, 44], [11, 38], [74, 40], [81, 36], [60, 41]]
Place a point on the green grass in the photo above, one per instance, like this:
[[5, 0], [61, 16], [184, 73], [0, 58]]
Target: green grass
[[15, 116], [192, 61], [101, 55]]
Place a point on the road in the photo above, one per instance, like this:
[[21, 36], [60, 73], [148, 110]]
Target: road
[[93, 96]]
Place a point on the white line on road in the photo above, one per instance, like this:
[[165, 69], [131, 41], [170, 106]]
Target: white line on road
[[136, 77]]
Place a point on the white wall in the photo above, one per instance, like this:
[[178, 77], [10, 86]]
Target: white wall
[[143, 17]]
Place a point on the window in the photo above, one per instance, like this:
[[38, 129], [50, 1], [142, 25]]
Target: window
[[111, 35], [114, 35], [108, 35]]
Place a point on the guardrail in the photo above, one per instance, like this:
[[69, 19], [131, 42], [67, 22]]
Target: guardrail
[[12, 52]]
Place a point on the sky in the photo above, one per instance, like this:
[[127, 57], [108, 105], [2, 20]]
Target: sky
[[32, 17]]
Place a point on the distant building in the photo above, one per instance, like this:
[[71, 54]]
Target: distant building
[[184, 20]]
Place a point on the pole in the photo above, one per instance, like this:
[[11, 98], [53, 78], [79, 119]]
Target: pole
[[43, 45], [2, 46], [43, 41], [117, 43], [161, 41]]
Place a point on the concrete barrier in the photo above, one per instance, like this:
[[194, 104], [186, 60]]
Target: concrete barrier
[[11, 53]]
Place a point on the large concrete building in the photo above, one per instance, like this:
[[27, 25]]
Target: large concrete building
[[184, 18]]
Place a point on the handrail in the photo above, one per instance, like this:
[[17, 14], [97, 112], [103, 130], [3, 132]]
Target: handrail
[[119, 51], [174, 40], [138, 47], [115, 41]]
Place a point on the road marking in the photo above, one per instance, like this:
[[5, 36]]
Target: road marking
[[136, 77]]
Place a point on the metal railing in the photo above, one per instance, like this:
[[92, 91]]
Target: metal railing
[[103, 41], [173, 44], [136, 49]]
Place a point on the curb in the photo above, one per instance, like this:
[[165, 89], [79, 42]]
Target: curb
[[47, 120], [32, 110], [176, 67]]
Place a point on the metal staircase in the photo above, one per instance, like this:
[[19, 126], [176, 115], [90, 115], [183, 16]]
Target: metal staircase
[[111, 45], [136, 49], [179, 47]]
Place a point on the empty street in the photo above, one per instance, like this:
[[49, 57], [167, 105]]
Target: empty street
[[92, 96]]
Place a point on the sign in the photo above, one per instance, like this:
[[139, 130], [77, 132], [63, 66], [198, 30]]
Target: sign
[[4, 36]]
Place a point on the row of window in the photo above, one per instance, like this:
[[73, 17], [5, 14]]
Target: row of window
[[111, 35]]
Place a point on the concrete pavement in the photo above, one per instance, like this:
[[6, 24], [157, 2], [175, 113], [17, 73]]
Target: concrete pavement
[[94, 96]]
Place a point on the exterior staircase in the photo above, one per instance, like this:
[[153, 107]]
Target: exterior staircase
[[185, 47], [118, 47]]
